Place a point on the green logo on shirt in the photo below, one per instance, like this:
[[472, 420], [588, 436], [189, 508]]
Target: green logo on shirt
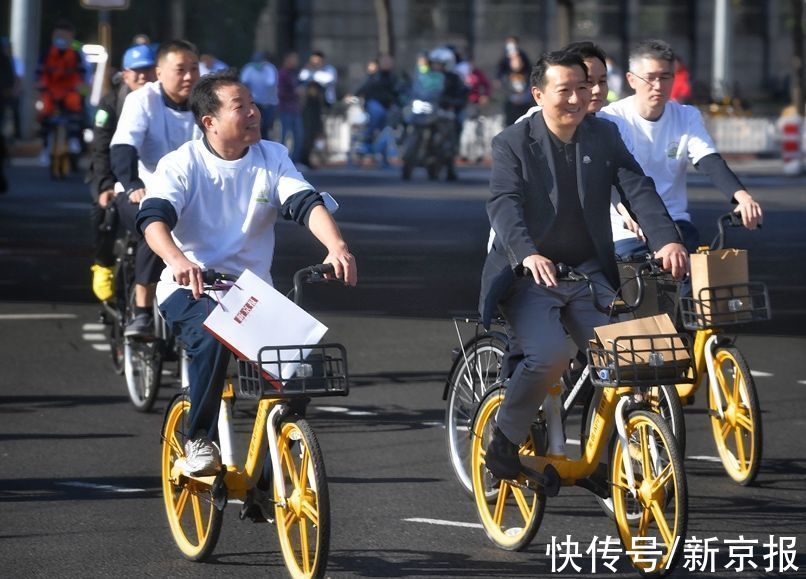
[[263, 197], [101, 117], [671, 150]]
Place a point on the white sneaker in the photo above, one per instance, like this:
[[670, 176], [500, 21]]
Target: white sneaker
[[202, 457]]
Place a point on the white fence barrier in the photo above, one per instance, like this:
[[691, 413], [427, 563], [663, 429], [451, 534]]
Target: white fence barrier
[[732, 135]]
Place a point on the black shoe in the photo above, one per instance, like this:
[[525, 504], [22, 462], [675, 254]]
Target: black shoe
[[257, 507], [502, 457], [142, 326]]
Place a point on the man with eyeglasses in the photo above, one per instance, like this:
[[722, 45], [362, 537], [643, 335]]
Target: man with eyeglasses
[[138, 69], [663, 136]]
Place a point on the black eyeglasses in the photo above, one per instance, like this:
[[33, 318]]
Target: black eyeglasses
[[660, 79]]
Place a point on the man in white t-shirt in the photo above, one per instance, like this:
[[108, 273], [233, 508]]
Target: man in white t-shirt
[[664, 136], [212, 204], [154, 121]]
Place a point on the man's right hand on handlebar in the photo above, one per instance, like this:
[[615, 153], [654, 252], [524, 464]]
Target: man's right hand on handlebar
[[187, 273], [675, 258], [542, 268]]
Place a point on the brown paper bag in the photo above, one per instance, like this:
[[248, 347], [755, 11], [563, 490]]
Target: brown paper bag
[[718, 268]]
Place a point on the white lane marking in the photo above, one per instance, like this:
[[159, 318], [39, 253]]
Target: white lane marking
[[435, 423], [444, 523], [38, 316], [102, 347], [572, 441], [704, 458], [347, 411], [760, 374], [92, 328], [98, 487], [93, 337], [801, 381]]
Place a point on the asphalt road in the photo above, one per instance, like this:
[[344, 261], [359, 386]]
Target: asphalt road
[[79, 468]]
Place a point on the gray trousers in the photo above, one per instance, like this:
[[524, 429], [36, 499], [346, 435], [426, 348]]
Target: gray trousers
[[537, 319]]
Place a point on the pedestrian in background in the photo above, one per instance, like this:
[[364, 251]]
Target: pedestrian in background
[[289, 108], [260, 77], [319, 80]]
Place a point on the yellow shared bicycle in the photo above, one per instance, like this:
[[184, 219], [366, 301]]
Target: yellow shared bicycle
[[733, 405], [295, 492], [644, 476]]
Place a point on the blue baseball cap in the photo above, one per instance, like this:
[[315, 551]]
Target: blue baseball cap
[[139, 56]]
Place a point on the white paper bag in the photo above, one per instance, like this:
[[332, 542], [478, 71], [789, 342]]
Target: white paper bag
[[253, 315]]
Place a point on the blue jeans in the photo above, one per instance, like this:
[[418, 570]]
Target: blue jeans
[[291, 124], [376, 122], [688, 233], [208, 357]]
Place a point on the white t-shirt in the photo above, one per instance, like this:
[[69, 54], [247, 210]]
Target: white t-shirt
[[226, 209], [152, 128], [663, 148]]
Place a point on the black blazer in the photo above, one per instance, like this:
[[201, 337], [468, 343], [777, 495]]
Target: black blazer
[[525, 197]]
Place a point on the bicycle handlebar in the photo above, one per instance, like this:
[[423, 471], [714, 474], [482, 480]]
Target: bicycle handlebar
[[731, 219], [312, 274], [214, 280], [652, 266]]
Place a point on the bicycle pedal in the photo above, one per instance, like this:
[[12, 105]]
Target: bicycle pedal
[[256, 507], [549, 480], [218, 491]]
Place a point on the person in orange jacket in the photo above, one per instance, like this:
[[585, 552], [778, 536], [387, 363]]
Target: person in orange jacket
[[61, 83]]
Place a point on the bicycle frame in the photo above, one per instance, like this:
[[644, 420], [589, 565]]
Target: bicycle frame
[[609, 414], [239, 480]]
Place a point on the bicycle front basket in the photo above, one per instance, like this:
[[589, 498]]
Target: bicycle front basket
[[295, 371], [726, 305], [645, 360]]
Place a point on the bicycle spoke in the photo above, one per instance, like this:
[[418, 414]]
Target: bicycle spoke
[[303, 469], [646, 457], [179, 507], [726, 428], [663, 526], [643, 524], [740, 454], [288, 520], [197, 516], [303, 547], [720, 380], [523, 506], [737, 381], [500, 504], [744, 421], [662, 478], [290, 466], [175, 445], [311, 512]]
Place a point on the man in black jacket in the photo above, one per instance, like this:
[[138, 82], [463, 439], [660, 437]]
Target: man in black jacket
[[138, 69], [551, 182]]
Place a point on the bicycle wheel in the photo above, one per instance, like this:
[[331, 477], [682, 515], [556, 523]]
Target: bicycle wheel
[[513, 518], [143, 367], [195, 523], [658, 494], [738, 434], [116, 347], [664, 401], [303, 519], [470, 378]]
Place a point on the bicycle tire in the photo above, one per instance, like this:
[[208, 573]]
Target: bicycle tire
[[196, 529], [668, 407], [116, 350], [468, 383], [741, 415], [513, 519], [142, 365], [662, 496], [305, 514]]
